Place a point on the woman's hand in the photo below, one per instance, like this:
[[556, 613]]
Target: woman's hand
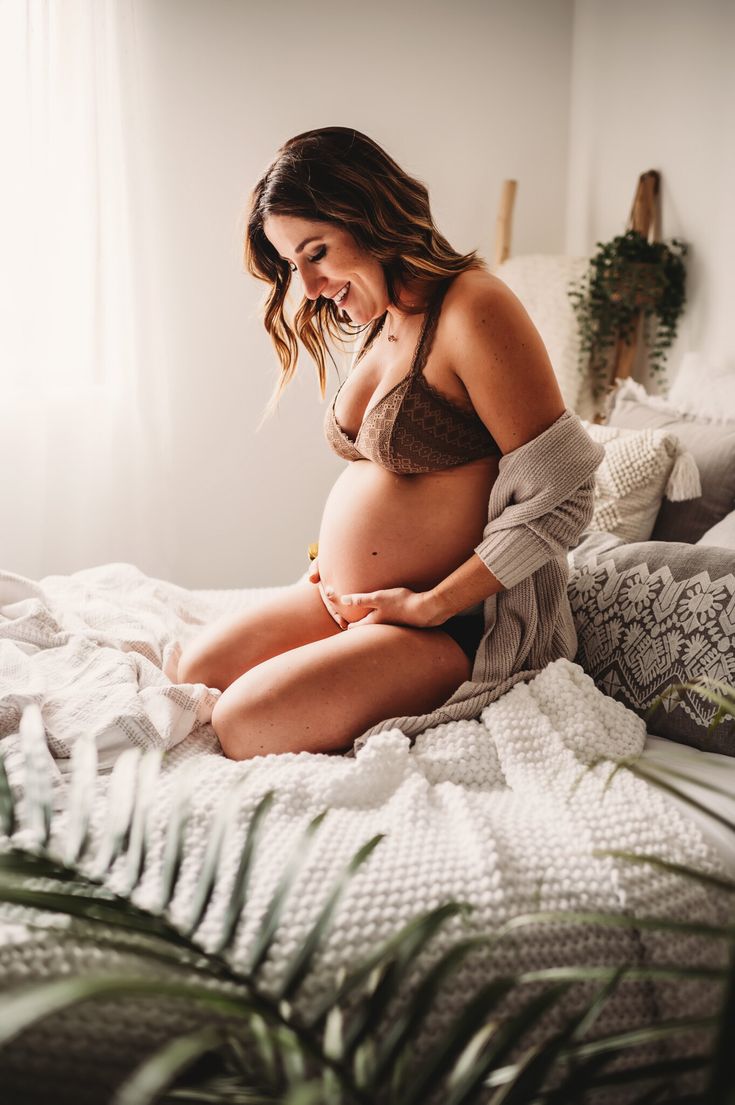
[[327, 594], [392, 606]]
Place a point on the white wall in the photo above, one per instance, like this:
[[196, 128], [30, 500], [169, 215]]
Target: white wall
[[653, 87], [462, 94]]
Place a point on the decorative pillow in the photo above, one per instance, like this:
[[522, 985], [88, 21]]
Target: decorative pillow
[[640, 467], [722, 535], [652, 615], [711, 442], [703, 385]]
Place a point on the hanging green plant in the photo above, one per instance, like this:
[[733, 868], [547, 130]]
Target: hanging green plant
[[626, 278]]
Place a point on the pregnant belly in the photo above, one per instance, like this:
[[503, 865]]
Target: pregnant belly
[[383, 530]]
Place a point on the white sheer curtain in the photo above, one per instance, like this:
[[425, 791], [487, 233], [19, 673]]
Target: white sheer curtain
[[85, 438]]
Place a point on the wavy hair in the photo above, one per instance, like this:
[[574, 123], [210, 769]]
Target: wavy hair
[[338, 175]]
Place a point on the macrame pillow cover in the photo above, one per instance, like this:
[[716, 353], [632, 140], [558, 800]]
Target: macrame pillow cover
[[640, 467], [650, 616]]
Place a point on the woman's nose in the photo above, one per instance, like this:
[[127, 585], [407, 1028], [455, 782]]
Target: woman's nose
[[313, 284]]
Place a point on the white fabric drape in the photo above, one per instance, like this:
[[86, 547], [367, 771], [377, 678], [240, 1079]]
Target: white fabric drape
[[84, 423]]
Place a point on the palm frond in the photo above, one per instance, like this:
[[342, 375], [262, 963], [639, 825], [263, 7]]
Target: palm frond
[[356, 1048], [37, 775], [160, 1070], [299, 966], [81, 799], [8, 821]]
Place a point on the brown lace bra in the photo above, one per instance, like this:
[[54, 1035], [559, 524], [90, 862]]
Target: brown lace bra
[[413, 428]]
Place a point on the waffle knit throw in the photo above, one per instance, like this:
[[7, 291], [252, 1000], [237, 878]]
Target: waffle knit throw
[[506, 812]]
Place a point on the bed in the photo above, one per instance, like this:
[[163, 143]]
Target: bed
[[530, 808]]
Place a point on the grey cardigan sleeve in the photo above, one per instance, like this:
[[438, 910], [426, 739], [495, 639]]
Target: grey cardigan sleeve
[[541, 501]]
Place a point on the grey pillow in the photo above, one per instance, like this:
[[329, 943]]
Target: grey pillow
[[651, 615], [710, 441], [723, 534]]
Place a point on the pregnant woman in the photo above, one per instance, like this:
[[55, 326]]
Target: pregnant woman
[[441, 571]]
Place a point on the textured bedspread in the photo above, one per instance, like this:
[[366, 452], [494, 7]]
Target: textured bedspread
[[505, 812]]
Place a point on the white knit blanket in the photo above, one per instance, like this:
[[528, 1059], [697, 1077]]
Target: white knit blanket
[[505, 812]]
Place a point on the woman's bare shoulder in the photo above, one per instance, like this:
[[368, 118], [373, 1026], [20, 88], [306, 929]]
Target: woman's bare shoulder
[[495, 350], [479, 289]]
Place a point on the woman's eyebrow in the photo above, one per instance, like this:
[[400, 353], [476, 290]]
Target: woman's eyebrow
[[300, 246]]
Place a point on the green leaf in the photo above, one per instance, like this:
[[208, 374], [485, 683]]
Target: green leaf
[[589, 1074], [24, 1006], [446, 1053], [616, 920], [148, 773], [334, 1033], [164, 1066], [532, 1072], [720, 882], [39, 766], [272, 915], [509, 1035], [576, 1084], [291, 1053], [404, 1026], [7, 802], [173, 849], [378, 960], [299, 966], [120, 802], [226, 813], [310, 1093], [31, 865], [239, 892], [81, 797], [392, 970], [649, 1034], [688, 798], [94, 907], [595, 974]]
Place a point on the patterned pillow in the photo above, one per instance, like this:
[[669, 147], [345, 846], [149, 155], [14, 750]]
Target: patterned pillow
[[711, 441], [640, 467], [651, 615]]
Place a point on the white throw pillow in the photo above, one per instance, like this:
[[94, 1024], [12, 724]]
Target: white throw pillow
[[704, 386], [640, 467]]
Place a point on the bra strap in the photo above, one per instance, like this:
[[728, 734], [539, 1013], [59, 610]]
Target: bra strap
[[429, 329]]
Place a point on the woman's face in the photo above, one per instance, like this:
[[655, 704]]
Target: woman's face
[[331, 264]]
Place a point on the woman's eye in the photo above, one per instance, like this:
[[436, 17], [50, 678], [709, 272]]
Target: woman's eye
[[320, 253]]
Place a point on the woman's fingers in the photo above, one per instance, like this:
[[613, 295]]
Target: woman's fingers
[[372, 599], [327, 594], [370, 619], [314, 576]]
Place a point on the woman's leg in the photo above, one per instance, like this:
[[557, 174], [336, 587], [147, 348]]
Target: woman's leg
[[236, 643], [321, 696]]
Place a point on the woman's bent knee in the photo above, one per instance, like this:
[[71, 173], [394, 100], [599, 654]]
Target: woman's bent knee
[[239, 725], [197, 665]]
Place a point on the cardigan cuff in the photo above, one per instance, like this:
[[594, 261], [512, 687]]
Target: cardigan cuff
[[512, 555]]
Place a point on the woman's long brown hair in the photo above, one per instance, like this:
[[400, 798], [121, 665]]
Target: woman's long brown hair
[[340, 176]]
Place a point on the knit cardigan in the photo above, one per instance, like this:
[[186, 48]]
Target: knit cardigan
[[539, 505]]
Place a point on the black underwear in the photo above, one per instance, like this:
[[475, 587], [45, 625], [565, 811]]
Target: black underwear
[[467, 631]]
